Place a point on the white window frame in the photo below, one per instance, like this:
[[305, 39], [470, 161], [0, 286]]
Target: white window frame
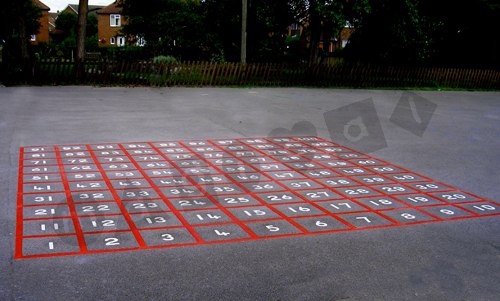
[[112, 40], [115, 20], [120, 41]]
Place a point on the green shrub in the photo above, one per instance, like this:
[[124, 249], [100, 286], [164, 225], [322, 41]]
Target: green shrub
[[162, 59]]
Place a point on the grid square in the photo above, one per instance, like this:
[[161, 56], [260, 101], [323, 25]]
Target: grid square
[[263, 187], [155, 220], [192, 203], [48, 227], [365, 219], [221, 232], [143, 206], [251, 177], [111, 241], [338, 182], [358, 191], [301, 184], [171, 182], [236, 200], [44, 198], [97, 209], [253, 213], [166, 237], [200, 217], [393, 189], [373, 180], [317, 195], [455, 197], [181, 192], [103, 223], [429, 187], [408, 215], [321, 224], [273, 228], [482, 208], [50, 245], [320, 173], [447, 212], [86, 176], [46, 212], [341, 206], [381, 203], [279, 197], [419, 200], [294, 210], [101, 196], [285, 175], [222, 189]]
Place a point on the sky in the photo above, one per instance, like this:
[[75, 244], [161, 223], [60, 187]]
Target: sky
[[56, 5]]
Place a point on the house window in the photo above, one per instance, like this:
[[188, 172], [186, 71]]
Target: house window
[[120, 41], [112, 40], [115, 20], [33, 38]]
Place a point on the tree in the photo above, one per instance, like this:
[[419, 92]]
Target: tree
[[446, 32], [81, 28], [323, 19], [267, 23], [463, 32], [169, 27], [66, 23], [394, 31], [18, 20]]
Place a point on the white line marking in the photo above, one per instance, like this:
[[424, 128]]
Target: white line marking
[[51, 245]]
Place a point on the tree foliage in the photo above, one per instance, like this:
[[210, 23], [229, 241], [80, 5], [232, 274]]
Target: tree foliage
[[18, 21], [171, 27], [431, 32]]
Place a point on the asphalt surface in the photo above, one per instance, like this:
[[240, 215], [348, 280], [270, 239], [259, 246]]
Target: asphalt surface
[[454, 260]]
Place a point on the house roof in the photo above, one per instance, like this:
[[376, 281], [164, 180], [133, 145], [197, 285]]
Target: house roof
[[92, 8], [40, 5], [113, 8]]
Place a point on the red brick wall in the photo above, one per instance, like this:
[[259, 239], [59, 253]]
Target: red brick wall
[[43, 31]]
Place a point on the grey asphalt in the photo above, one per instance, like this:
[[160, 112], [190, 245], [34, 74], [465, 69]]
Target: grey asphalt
[[455, 260]]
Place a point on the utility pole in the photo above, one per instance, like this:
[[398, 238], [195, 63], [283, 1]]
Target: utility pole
[[244, 13]]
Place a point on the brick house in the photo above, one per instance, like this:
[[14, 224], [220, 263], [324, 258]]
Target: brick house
[[110, 23], [330, 46], [43, 31]]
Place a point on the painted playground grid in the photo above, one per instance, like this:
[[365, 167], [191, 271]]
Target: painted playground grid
[[93, 198]]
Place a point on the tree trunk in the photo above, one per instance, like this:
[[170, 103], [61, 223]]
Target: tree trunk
[[315, 30], [83, 9], [25, 55]]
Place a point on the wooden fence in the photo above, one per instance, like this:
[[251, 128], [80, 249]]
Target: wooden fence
[[261, 74]]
